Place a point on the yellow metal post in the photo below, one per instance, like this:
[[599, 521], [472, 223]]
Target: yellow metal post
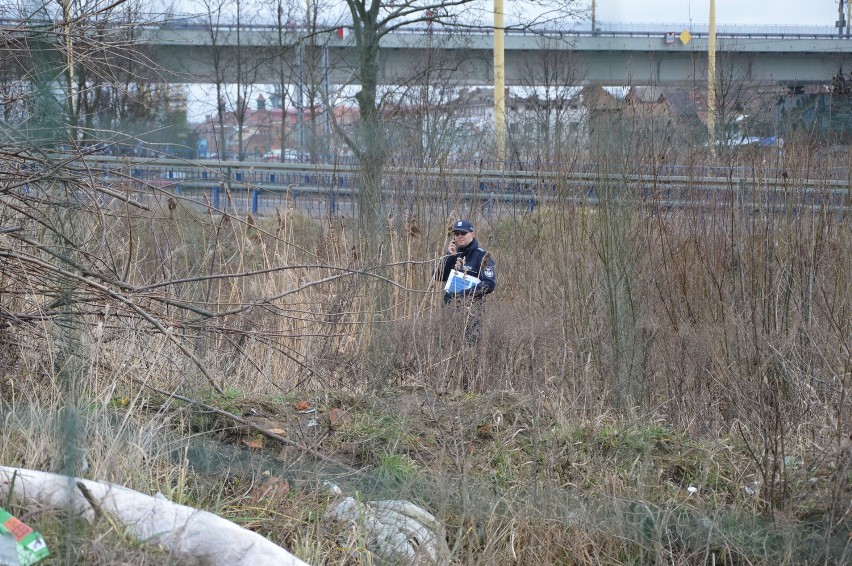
[[499, 82], [711, 77]]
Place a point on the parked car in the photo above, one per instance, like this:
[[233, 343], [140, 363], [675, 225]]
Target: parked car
[[290, 156]]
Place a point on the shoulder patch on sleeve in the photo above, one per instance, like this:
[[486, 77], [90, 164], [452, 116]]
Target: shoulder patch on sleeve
[[488, 272]]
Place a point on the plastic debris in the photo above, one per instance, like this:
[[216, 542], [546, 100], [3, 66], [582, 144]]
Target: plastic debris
[[29, 544], [395, 532], [8, 550], [189, 535]]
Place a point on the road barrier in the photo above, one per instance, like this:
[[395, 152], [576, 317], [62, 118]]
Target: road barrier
[[254, 184]]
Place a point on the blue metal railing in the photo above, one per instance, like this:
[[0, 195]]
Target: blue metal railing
[[259, 187]]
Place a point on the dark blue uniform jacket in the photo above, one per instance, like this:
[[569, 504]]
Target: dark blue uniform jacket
[[474, 261]]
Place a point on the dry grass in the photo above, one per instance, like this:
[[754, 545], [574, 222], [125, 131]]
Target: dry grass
[[631, 353]]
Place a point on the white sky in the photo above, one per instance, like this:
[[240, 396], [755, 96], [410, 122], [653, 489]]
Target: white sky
[[756, 12]]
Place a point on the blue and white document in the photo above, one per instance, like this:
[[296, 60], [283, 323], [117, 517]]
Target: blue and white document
[[458, 282]]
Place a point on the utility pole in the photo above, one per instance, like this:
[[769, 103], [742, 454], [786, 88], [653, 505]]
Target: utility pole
[[499, 82], [711, 77], [594, 21], [327, 96], [300, 98], [70, 78], [301, 87]]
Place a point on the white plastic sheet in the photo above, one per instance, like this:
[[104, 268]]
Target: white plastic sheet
[[185, 532]]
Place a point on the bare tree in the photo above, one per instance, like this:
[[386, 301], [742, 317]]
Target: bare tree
[[745, 115], [90, 46], [371, 20], [313, 84], [549, 106], [284, 40], [425, 116], [226, 35]]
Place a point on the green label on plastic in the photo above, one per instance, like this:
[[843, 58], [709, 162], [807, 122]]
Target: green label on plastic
[[31, 545]]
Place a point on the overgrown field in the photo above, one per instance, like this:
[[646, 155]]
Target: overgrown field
[[655, 384]]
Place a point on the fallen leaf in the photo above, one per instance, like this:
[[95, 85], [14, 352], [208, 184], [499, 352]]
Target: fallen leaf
[[338, 417], [271, 488], [275, 484], [253, 443], [302, 405], [278, 431]]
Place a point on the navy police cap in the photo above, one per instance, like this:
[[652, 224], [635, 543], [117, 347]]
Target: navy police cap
[[463, 226]]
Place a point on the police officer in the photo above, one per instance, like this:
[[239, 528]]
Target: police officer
[[467, 257], [466, 304]]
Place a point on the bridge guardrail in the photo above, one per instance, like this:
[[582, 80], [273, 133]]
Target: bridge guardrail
[[488, 185], [605, 29], [241, 171]]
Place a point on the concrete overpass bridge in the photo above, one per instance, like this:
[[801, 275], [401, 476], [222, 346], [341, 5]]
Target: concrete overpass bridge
[[610, 57]]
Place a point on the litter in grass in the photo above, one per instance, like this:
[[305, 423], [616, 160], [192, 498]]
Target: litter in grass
[[20, 545]]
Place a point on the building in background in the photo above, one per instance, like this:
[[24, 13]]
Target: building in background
[[264, 130]]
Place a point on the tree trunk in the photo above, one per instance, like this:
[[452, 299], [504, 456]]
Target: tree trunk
[[371, 151]]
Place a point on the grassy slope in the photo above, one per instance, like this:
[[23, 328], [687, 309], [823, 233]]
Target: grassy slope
[[653, 385]]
